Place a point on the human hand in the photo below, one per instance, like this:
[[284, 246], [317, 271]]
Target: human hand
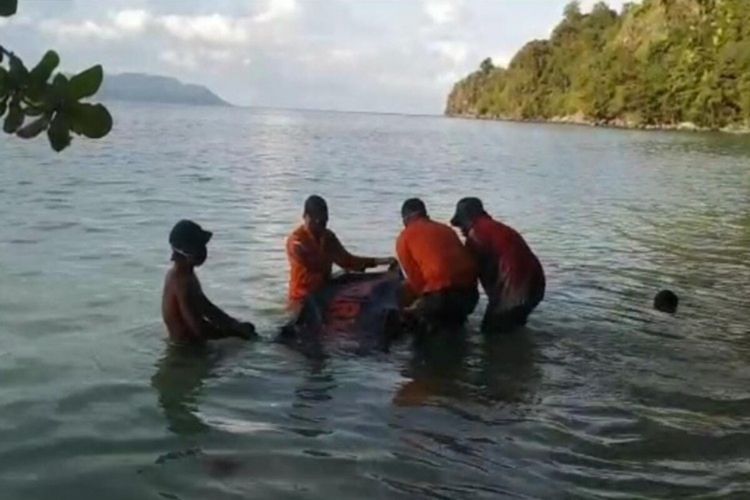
[[386, 261], [246, 330]]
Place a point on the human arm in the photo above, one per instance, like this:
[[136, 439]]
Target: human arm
[[487, 260], [204, 319], [342, 258], [414, 279], [224, 324]]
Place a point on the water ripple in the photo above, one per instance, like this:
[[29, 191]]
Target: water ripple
[[600, 397]]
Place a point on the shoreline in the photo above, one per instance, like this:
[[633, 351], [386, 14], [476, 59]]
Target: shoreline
[[619, 124]]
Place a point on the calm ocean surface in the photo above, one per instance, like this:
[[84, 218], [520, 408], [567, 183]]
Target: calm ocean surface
[[598, 397]]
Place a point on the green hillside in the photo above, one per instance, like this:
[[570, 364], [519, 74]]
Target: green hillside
[[660, 63]]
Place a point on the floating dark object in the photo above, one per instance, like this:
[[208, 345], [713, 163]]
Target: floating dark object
[[354, 312], [666, 301]]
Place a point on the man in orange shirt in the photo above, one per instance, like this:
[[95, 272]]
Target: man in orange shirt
[[440, 272], [312, 249]]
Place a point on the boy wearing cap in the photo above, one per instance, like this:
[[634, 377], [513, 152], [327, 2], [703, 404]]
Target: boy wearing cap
[[189, 315], [510, 273]]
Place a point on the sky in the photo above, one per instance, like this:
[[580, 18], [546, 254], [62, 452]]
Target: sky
[[400, 56]]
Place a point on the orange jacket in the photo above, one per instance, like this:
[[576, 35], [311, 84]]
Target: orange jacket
[[433, 258], [311, 260]]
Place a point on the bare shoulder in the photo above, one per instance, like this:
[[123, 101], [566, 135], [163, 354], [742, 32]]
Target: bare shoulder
[[331, 236], [181, 282], [169, 279]]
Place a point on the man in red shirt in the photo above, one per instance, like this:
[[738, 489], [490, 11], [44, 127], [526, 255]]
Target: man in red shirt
[[312, 249], [440, 273], [510, 273]]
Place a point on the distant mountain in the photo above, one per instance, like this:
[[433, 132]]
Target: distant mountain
[[153, 88]]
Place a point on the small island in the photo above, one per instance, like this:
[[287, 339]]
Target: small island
[[151, 88], [660, 64]]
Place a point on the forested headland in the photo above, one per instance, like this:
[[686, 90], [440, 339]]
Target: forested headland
[[656, 64]]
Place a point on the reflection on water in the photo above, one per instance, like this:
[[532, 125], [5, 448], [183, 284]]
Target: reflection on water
[[312, 395], [507, 371], [179, 378], [488, 370], [437, 368]]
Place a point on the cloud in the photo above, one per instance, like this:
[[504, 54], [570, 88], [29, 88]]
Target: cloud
[[180, 60], [455, 52], [442, 11], [214, 28], [276, 9], [114, 27], [131, 20], [83, 29], [191, 59], [343, 55]]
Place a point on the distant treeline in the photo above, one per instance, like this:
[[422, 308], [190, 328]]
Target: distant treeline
[[660, 63]]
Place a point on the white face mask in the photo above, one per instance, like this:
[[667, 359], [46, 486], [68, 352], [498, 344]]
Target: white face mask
[[182, 252], [198, 258]]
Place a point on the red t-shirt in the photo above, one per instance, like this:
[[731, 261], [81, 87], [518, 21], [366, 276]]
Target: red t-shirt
[[509, 271]]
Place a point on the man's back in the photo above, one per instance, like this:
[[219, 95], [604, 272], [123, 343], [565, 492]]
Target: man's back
[[516, 259], [434, 258]]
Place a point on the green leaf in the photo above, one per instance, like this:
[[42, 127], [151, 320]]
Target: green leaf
[[91, 120], [60, 81], [58, 132], [33, 111], [37, 93], [3, 82], [86, 83], [34, 128], [15, 117], [58, 92], [18, 72], [8, 7], [43, 70]]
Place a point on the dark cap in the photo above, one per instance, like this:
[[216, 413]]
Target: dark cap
[[413, 206], [315, 205], [188, 237], [467, 209]]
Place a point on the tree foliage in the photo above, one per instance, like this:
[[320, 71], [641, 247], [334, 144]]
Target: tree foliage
[[657, 63], [33, 100]]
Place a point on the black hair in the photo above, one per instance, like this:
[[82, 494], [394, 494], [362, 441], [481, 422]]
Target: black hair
[[315, 205], [413, 206], [467, 209], [666, 301]]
